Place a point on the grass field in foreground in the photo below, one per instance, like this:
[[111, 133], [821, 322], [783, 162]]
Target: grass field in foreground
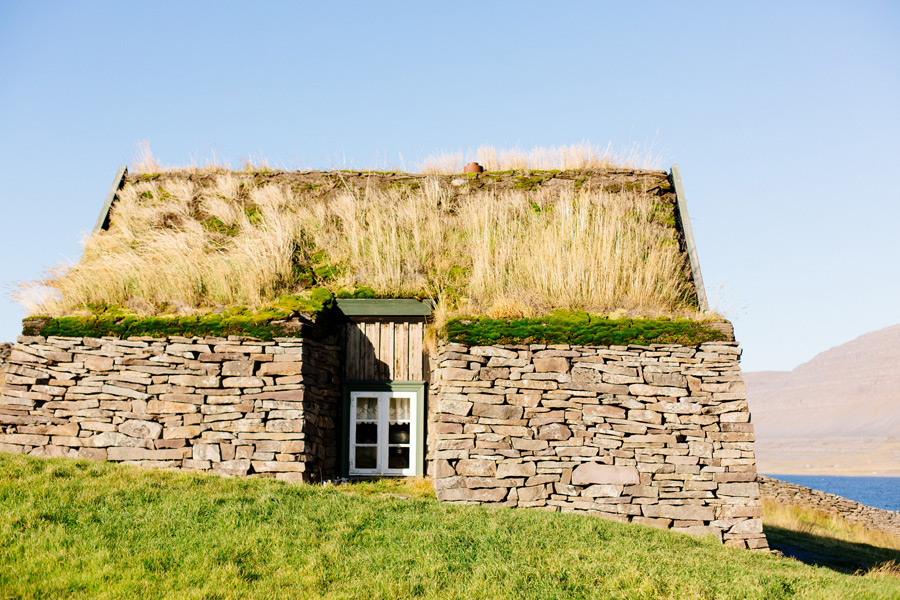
[[74, 529]]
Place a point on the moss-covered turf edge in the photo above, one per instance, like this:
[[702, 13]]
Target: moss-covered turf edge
[[579, 328], [289, 316], [261, 327]]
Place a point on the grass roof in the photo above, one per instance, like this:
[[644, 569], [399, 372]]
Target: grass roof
[[514, 243]]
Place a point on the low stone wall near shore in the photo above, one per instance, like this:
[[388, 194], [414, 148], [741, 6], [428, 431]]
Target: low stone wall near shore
[[855, 512]]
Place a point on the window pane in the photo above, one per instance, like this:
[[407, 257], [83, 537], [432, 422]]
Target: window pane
[[398, 457], [366, 433], [367, 408], [399, 409], [398, 433], [366, 457]]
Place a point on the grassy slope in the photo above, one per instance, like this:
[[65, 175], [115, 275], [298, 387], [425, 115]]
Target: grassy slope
[[814, 536], [91, 530]]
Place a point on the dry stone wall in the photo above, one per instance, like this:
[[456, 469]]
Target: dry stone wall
[[855, 512], [658, 435], [234, 406]]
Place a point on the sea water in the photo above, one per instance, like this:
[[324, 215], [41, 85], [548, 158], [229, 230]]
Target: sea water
[[880, 492]]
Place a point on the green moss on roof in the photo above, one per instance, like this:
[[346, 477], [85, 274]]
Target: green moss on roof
[[280, 319], [579, 328]]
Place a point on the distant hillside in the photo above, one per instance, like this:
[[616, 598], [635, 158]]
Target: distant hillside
[[839, 412]]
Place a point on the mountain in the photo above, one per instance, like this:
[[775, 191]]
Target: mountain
[[839, 413]]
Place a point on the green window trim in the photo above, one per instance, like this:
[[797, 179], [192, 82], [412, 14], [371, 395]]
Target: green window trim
[[417, 387]]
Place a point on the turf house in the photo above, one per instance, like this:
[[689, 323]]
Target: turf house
[[528, 338]]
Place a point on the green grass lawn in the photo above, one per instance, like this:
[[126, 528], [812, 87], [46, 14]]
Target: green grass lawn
[[74, 529]]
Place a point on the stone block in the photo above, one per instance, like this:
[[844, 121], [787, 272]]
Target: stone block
[[551, 365], [586, 375], [730, 512], [462, 494], [492, 373], [687, 512], [554, 431], [54, 452], [164, 444], [184, 432], [161, 407], [747, 526], [493, 351], [645, 416], [442, 469], [531, 445], [281, 368], [532, 494], [277, 466], [515, 470], [114, 438], [187, 398], [238, 466], [208, 452], [596, 473], [640, 389], [98, 363], [243, 382], [454, 407], [24, 439], [582, 451], [237, 368], [478, 467], [744, 490], [197, 381], [285, 426], [653, 522], [497, 411], [747, 476], [603, 410], [458, 374], [141, 429], [602, 491], [665, 379]]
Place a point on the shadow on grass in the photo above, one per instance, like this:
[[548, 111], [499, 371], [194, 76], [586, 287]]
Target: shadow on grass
[[845, 557]]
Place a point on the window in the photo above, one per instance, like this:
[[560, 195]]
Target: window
[[384, 433]]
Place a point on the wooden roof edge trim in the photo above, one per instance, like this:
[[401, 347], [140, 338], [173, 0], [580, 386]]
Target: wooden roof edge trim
[[118, 182], [688, 234], [384, 307]]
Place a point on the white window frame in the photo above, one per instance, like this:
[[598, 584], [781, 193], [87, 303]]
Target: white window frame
[[384, 400]]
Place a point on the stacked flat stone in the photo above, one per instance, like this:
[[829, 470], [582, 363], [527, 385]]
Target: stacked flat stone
[[831, 504], [234, 406], [5, 350], [658, 435]]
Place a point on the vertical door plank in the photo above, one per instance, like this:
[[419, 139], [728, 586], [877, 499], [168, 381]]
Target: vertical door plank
[[401, 351], [415, 351], [363, 352], [353, 365], [386, 356], [372, 350]]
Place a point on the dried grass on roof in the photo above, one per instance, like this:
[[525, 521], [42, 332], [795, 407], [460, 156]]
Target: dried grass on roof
[[565, 157], [177, 245]]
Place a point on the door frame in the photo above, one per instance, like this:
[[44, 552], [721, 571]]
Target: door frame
[[417, 451]]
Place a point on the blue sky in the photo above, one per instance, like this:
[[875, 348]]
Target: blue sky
[[783, 118]]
